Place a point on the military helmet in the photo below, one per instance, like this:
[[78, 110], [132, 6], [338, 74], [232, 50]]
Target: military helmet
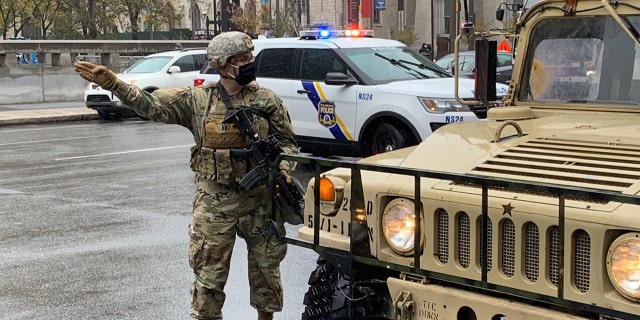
[[226, 45]]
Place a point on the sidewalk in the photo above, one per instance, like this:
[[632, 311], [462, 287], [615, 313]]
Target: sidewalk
[[45, 112]]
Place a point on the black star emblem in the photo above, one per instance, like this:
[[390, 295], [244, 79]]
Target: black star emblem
[[507, 209]]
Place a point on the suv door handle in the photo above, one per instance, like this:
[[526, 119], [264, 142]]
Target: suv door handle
[[304, 91]]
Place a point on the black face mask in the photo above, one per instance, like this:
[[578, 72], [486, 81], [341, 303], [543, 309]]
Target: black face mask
[[246, 74]]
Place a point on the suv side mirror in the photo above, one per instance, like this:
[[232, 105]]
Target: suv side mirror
[[339, 78], [174, 69]]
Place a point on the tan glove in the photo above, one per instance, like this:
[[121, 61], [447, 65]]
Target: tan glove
[[286, 175], [101, 75]]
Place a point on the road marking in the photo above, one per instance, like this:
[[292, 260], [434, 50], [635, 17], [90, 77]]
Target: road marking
[[39, 141], [121, 152], [10, 192]]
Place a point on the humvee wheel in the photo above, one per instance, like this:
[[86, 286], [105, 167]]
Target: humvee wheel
[[326, 297]]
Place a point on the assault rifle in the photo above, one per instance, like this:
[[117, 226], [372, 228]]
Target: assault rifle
[[262, 154]]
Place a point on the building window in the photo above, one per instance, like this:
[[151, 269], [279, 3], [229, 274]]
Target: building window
[[376, 16], [446, 25], [400, 5], [196, 24], [446, 9]]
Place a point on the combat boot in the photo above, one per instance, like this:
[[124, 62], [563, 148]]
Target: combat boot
[[262, 315]]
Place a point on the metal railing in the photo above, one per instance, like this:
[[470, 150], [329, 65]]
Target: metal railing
[[125, 61], [360, 246]]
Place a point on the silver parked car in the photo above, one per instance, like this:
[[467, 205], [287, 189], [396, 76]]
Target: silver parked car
[[467, 61]]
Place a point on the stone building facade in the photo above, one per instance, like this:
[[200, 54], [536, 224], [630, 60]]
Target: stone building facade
[[429, 20]]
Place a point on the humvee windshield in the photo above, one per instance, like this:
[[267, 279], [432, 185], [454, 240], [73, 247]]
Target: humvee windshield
[[582, 60]]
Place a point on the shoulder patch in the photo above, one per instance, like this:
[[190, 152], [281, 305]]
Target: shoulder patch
[[253, 86]]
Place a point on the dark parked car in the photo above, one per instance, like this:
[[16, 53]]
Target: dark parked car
[[467, 61]]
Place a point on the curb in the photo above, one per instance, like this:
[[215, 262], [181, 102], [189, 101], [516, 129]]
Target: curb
[[22, 117]]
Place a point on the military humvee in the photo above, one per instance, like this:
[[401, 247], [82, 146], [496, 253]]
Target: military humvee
[[532, 214]]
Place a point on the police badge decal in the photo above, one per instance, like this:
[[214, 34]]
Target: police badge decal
[[327, 113]]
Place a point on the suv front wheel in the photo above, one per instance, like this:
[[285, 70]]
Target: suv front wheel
[[388, 137]]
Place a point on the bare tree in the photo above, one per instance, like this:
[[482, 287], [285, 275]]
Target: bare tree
[[89, 19], [46, 12], [6, 16], [287, 22], [159, 12], [14, 14], [247, 20]]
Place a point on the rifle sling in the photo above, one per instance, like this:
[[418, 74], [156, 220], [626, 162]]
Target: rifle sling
[[224, 96]]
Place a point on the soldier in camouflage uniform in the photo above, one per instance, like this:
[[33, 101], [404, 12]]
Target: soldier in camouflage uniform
[[221, 207]]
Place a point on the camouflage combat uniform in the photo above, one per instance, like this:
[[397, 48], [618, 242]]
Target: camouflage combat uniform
[[221, 209]]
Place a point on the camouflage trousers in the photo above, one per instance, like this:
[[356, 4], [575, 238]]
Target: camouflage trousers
[[219, 213]]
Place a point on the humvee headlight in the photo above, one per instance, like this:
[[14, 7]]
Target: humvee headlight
[[398, 225], [623, 265], [442, 105]]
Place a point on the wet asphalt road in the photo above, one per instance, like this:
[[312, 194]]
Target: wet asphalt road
[[93, 225]]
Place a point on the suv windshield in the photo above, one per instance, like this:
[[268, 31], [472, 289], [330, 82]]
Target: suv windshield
[[582, 60], [388, 64], [149, 65]]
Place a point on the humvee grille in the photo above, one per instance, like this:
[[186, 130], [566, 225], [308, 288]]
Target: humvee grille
[[554, 255], [532, 251], [508, 252], [612, 167], [582, 255], [509, 247], [443, 236], [464, 240]]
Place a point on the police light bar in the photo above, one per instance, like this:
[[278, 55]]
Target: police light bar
[[328, 33]]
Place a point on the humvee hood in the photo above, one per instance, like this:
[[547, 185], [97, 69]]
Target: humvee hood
[[437, 88], [591, 151]]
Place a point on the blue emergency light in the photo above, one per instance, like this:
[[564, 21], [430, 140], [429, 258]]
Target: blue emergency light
[[325, 33]]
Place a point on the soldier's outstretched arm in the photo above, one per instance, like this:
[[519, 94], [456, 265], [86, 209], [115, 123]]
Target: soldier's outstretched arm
[[174, 105], [165, 105]]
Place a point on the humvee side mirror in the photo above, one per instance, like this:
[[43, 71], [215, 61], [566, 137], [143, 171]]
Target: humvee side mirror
[[499, 14], [486, 60]]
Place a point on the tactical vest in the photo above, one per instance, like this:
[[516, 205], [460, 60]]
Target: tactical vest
[[212, 158]]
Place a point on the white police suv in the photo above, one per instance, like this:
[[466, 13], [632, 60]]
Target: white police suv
[[354, 95]]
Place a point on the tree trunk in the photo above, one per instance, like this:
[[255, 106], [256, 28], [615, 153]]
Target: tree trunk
[[91, 15], [134, 26]]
